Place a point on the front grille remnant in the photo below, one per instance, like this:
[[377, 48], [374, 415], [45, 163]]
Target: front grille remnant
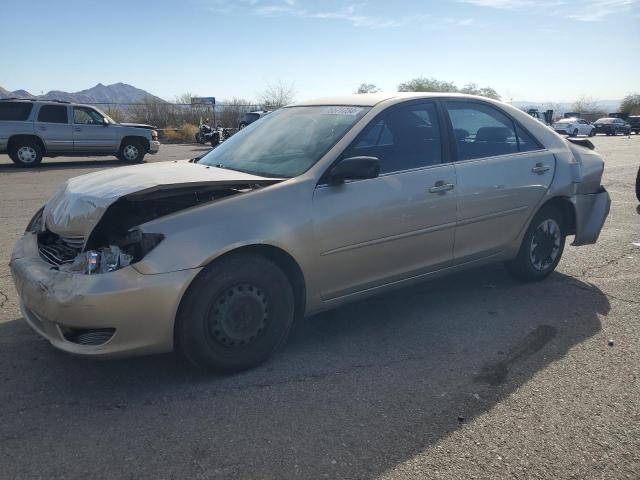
[[57, 250]]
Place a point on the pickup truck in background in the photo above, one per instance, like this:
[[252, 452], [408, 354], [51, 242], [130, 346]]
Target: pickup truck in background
[[33, 129]]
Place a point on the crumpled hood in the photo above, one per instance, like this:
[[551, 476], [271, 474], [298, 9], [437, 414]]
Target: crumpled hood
[[76, 208]]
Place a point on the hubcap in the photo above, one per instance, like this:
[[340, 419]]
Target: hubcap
[[238, 315], [130, 152], [545, 244], [27, 154]]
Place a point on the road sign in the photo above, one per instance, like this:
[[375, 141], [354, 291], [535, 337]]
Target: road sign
[[203, 100]]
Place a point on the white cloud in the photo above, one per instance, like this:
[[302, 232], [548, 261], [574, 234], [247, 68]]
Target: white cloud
[[584, 10], [357, 14]]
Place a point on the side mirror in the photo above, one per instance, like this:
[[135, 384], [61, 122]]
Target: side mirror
[[354, 168]]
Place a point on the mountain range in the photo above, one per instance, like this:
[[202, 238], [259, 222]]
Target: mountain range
[[114, 93]]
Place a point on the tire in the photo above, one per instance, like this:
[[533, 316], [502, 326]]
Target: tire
[[26, 153], [199, 138], [530, 267], [242, 125], [574, 133], [638, 185], [235, 314], [592, 133], [131, 151]]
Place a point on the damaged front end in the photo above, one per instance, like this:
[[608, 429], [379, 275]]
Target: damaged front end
[[116, 241]]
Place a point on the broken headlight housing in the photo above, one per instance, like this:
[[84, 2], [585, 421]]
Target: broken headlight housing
[[131, 249]]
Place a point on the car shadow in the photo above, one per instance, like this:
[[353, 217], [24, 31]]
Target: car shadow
[[356, 392]]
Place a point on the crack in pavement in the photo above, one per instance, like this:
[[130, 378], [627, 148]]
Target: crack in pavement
[[3, 299]]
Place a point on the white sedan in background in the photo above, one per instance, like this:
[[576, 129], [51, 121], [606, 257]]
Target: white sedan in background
[[574, 127]]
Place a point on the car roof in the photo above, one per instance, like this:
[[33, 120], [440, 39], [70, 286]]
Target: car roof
[[371, 99]]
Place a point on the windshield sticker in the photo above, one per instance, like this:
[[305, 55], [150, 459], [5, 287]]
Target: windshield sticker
[[342, 111]]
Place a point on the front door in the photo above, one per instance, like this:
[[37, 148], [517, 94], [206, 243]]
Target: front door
[[53, 127], [503, 174], [91, 134], [401, 224]]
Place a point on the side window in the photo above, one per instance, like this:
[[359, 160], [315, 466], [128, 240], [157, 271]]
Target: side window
[[17, 111], [53, 114], [526, 143], [86, 116], [481, 131], [406, 137]]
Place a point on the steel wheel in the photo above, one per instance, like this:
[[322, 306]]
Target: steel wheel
[[238, 316], [545, 244], [27, 154]]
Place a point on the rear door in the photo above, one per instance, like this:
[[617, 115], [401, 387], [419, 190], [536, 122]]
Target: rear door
[[53, 127], [377, 231], [502, 172], [91, 134]]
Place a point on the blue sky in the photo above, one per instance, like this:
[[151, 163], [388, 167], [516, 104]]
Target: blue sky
[[539, 50]]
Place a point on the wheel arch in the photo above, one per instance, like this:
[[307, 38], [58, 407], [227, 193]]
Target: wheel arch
[[18, 137], [282, 259], [566, 208], [139, 138]]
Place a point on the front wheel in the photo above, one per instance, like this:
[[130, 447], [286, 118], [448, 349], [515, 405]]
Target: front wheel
[[541, 248], [638, 185], [235, 314], [131, 151], [574, 133], [592, 133]]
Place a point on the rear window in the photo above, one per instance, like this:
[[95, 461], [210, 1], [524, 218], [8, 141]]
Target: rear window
[[605, 120], [16, 111], [53, 114]]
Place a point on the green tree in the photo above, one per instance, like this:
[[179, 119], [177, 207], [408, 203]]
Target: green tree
[[631, 104], [367, 88], [433, 85], [423, 84]]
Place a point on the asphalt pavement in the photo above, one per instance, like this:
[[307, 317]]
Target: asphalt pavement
[[470, 376]]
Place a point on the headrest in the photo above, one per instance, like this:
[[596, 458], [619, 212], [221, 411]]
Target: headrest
[[493, 134]]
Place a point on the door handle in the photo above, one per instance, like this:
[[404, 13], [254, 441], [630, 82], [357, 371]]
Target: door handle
[[540, 168], [440, 187]]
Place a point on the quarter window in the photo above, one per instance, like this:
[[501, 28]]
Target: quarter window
[[526, 143], [406, 137], [16, 111], [53, 114], [481, 131], [86, 116]]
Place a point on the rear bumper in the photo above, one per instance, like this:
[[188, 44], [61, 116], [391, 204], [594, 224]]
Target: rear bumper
[[138, 309], [154, 147], [591, 212]]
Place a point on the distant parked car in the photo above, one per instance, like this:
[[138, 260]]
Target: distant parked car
[[634, 123], [574, 127], [612, 126], [250, 117], [30, 130]]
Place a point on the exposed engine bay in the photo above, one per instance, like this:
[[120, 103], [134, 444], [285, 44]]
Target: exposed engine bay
[[116, 242]]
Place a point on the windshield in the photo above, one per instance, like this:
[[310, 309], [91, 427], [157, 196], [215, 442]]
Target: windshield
[[285, 143]]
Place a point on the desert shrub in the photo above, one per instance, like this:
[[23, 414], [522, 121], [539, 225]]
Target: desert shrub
[[184, 134]]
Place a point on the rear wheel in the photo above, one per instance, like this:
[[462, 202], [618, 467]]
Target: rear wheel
[[26, 153], [235, 314], [541, 248], [131, 151], [638, 185], [592, 133]]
